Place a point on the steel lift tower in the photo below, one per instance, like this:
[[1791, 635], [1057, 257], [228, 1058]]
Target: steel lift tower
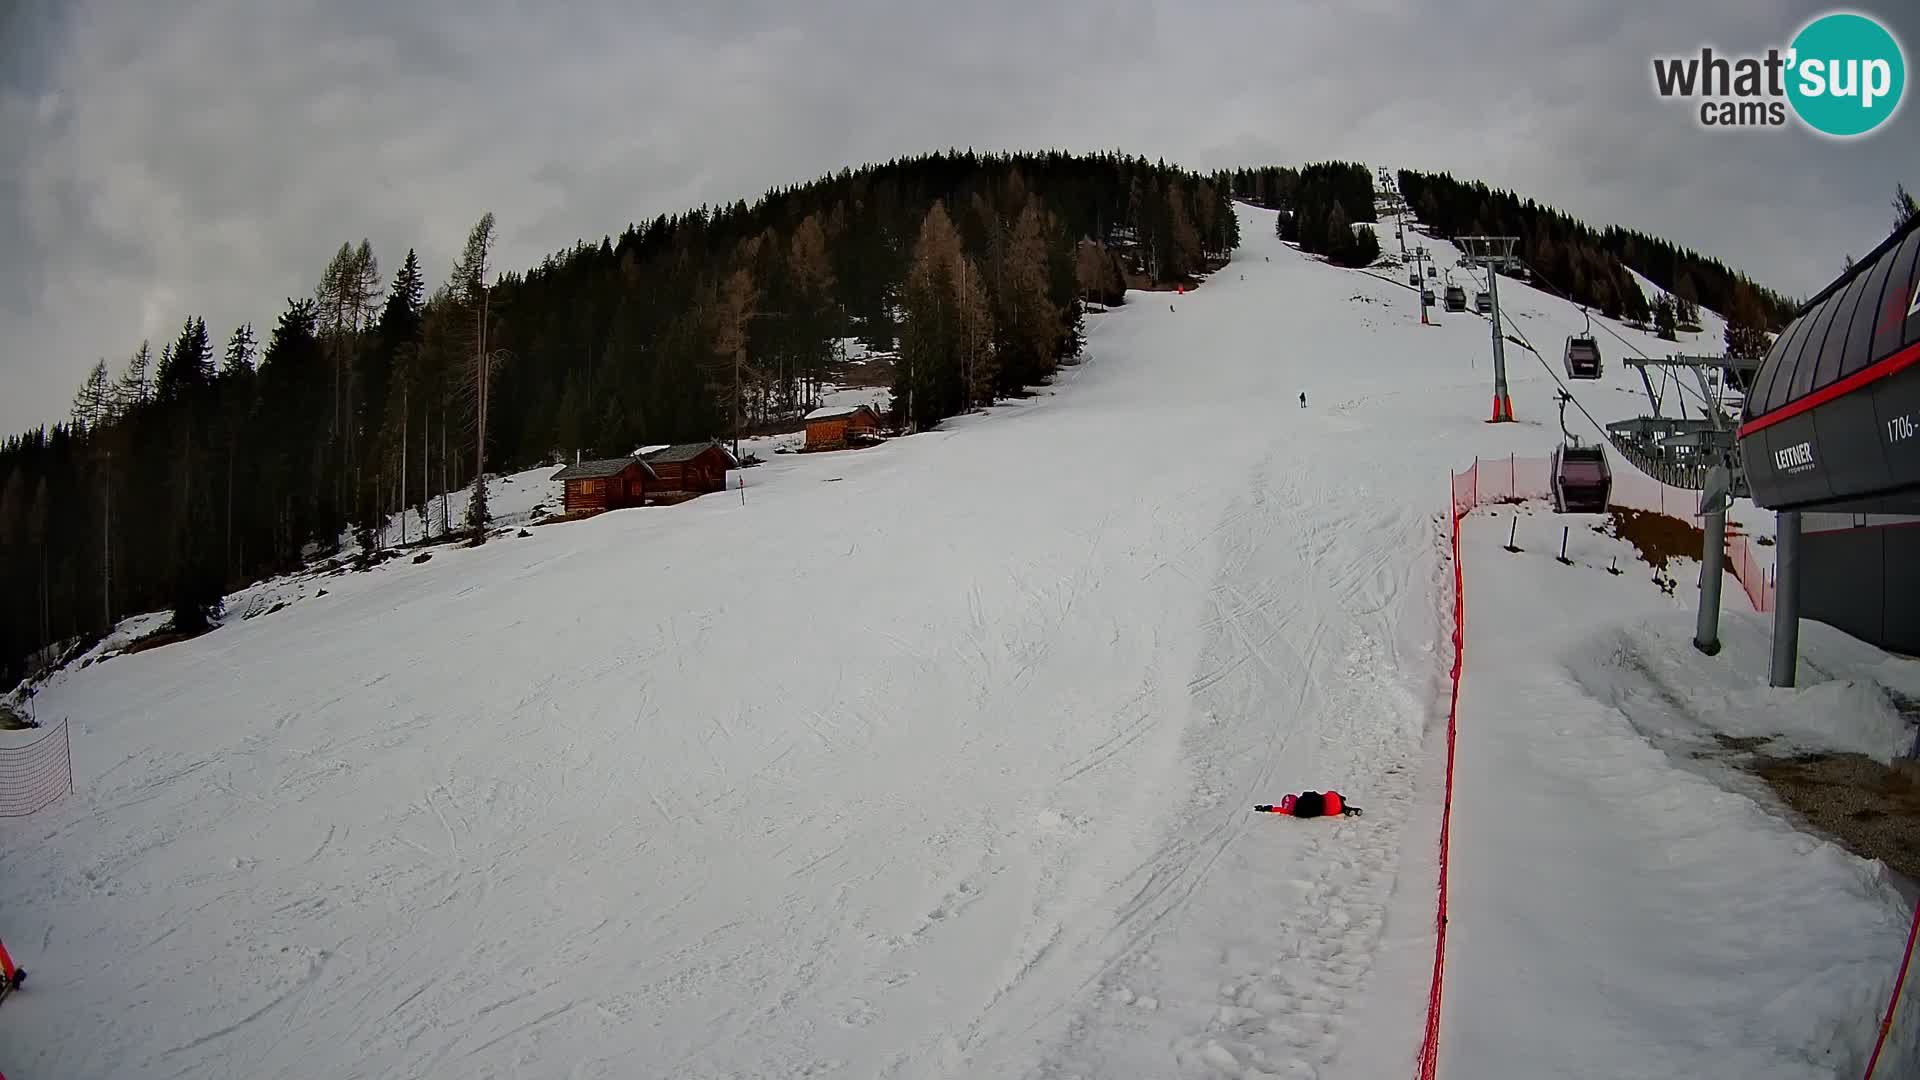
[[1494, 253]]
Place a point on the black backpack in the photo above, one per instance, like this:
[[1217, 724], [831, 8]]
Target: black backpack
[[1309, 804]]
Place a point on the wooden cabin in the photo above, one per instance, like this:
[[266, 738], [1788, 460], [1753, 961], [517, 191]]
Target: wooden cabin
[[690, 468], [607, 484], [833, 427]]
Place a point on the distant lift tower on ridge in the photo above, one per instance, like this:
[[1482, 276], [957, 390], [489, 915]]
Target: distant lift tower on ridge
[[1494, 254]]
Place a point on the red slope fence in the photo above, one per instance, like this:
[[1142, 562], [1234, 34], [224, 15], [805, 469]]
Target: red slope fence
[[36, 774], [1497, 480], [1494, 480], [1429, 1060]]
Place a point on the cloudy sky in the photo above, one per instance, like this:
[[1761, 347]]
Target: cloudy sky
[[174, 157]]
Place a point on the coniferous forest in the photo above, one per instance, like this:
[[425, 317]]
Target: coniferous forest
[[1591, 266], [203, 463], [200, 464], [1319, 207]]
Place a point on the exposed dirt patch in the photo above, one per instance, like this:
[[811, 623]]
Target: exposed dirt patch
[[1870, 809], [1657, 537], [166, 635], [572, 515]]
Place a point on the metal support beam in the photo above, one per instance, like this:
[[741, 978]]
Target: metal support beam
[[1713, 503], [1786, 606]]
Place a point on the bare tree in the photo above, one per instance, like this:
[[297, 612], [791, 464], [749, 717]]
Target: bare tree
[[470, 287]]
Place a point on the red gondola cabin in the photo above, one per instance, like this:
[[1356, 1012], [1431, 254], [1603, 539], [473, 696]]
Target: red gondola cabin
[[607, 484]]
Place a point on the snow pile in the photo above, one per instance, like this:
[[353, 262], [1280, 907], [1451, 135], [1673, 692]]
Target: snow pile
[[1614, 912], [1849, 697]]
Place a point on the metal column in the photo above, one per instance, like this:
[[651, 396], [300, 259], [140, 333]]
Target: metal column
[[1713, 557], [1786, 600], [1502, 404]]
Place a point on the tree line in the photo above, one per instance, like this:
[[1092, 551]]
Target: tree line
[[1591, 266], [189, 474], [1319, 206]]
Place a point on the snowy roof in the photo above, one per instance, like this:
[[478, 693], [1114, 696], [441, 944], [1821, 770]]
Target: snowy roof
[[679, 452], [833, 412], [590, 470]]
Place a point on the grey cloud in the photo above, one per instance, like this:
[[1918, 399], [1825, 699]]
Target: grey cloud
[[206, 156]]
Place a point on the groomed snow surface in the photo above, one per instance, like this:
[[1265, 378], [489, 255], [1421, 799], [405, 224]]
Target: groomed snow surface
[[936, 759], [1618, 906]]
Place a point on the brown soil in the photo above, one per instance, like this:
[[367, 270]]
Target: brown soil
[[166, 635], [1868, 808], [574, 515], [1146, 284], [1657, 537]]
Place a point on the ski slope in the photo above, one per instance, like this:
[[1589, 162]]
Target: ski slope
[[931, 759], [1624, 903]]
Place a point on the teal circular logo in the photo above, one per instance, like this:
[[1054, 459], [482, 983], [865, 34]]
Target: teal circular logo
[[1846, 74]]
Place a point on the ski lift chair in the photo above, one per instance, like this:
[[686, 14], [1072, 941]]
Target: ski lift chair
[[1483, 303], [1426, 297], [1582, 357], [1413, 278], [1582, 480], [1456, 298]]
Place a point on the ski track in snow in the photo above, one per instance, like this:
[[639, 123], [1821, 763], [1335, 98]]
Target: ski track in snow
[[941, 770]]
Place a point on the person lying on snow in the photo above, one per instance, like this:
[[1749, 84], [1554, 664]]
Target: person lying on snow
[[1310, 804]]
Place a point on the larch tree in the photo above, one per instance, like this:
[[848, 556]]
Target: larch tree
[[470, 287], [810, 270], [1746, 333], [93, 405], [732, 309]]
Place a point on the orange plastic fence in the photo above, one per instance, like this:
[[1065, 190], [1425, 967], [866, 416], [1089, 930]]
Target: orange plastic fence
[[1494, 480], [1429, 1060], [36, 774]]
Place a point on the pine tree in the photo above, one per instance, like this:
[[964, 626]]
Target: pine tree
[[1339, 237], [134, 390], [1182, 249], [1664, 318], [1905, 208], [240, 350]]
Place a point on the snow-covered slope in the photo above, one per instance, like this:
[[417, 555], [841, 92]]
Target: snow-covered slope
[[1615, 909], [931, 759]]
